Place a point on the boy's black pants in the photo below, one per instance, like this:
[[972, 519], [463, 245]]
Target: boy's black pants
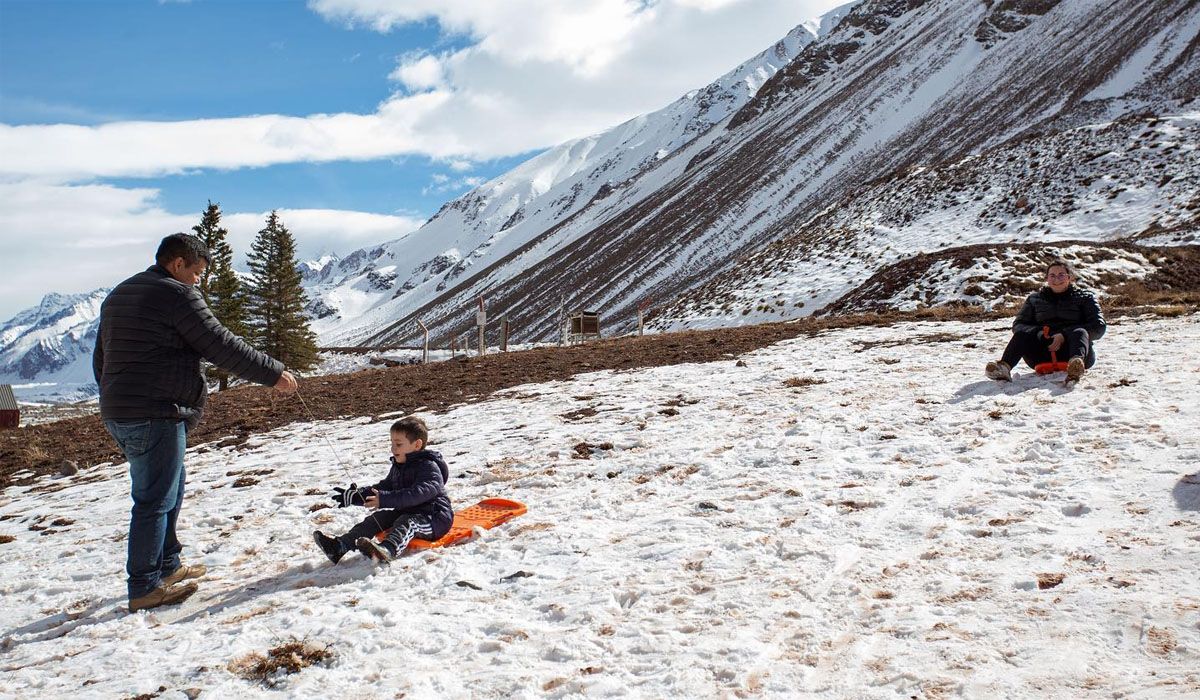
[[407, 525], [1035, 349]]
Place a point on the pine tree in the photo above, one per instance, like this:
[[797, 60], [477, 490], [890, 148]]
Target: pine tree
[[220, 286], [276, 298]]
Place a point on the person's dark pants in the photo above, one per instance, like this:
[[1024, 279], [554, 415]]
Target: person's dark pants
[[155, 451], [402, 527], [1035, 349]]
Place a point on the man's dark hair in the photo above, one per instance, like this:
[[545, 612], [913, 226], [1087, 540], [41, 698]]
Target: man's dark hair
[[413, 428], [1059, 262], [182, 245]]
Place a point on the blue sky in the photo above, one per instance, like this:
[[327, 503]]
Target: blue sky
[[358, 119], [92, 62]]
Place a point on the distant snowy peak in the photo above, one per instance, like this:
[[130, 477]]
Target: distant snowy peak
[[55, 313], [52, 342], [317, 270]]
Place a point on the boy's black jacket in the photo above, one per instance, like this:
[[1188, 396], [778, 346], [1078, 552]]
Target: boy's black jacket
[[417, 485]]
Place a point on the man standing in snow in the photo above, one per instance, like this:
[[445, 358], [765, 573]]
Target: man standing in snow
[[1059, 320], [154, 328]]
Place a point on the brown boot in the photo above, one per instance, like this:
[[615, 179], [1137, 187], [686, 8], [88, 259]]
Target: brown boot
[[163, 595], [183, 573], [998, 370], [1075, 368]]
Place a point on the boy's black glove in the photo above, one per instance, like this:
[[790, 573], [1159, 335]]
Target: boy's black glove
[[351, 496]]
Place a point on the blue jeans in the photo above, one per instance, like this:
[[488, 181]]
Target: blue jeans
[[155, 450]]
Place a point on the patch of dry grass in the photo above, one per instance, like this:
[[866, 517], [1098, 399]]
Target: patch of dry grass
[[284, 660], [801, 382]]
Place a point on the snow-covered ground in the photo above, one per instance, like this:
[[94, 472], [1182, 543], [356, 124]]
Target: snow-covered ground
[[858, 514]]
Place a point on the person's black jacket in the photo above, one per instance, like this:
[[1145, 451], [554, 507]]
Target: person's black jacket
[[153, 331], [1074, 308], [417, 485]]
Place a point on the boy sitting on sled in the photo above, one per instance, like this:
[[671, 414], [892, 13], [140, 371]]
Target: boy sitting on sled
[[410, 502]]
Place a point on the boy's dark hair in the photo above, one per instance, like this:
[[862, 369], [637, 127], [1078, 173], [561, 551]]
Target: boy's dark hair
[[182, 245], [1059, 262], [413, 428]]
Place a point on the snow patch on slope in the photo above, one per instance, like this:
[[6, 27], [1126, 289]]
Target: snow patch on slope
[[862, 532]]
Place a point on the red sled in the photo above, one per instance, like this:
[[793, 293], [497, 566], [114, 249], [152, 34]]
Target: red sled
[[486, 514]]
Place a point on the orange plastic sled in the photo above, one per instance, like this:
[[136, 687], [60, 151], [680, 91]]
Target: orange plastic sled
[[486, 514], [1053, 365]]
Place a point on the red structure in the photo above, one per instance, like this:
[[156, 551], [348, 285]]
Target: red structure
[[10, 415]]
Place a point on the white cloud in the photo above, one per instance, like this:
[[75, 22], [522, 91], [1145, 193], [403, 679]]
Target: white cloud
[[76, 238], [419, 72], [538, 72], [583, 34]]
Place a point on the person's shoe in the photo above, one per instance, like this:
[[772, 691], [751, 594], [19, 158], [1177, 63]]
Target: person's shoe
[[374, 550], [998, 370], [330, 545], [163, 595], [1075, 368], [183, 573]]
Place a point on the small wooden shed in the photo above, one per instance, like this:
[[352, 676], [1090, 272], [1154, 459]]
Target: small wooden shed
[[584, 326], [10, 415]]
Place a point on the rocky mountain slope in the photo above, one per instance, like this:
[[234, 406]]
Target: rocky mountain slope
[[1136, 178], [896, 87]]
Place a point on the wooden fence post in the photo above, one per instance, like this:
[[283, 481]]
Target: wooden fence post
[[481, 321], [504, 333], [425, 350]]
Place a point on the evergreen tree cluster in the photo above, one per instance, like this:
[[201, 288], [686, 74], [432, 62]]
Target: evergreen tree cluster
[[268, 309]]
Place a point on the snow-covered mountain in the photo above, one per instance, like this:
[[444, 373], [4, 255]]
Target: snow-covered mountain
[[354, 297], [894, 87], [46, 351]]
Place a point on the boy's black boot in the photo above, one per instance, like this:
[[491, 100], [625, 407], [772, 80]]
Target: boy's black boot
[[331, 546], [380, 552]]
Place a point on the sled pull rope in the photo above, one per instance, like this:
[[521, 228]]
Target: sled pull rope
[[336, 456], [321, 433]]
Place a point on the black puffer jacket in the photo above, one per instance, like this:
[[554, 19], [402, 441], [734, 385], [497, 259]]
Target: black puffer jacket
[[153, 331], [417, 485], [1074, 308]]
